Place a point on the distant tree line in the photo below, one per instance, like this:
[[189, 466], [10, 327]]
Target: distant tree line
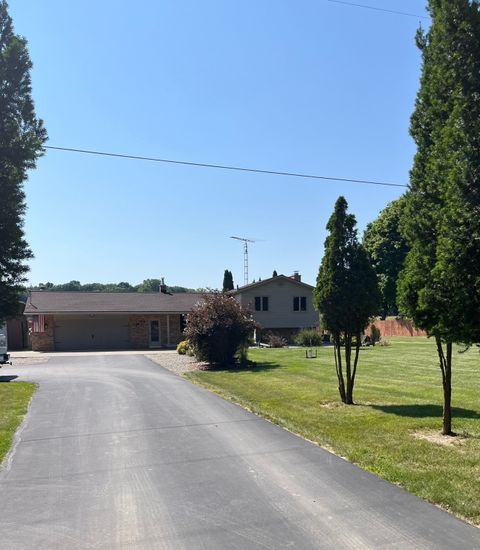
[[148, 285]]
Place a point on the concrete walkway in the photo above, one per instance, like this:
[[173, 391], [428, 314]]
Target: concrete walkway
[[120, 453], [25, 354]]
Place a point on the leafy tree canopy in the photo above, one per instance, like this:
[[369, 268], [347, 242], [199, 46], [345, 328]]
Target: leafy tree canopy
[[387, 248], [22, 136]]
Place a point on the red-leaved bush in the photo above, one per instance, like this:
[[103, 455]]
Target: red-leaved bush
[[218, 329]]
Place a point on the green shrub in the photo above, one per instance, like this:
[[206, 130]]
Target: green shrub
[[375, 334], [308, 337], [218, 329], [183, 347], [275, 341]]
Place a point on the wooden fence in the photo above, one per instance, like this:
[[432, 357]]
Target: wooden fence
[[397, 327]]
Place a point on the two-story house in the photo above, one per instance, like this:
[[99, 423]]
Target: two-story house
[[282, 305]]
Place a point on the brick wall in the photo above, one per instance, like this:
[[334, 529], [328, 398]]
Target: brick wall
[[44, 341], [139, 330], [397, 327], [175, 334]]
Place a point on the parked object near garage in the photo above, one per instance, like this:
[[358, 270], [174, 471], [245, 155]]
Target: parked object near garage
[[4, 356]]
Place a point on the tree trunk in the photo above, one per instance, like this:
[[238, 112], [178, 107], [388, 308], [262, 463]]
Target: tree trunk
[[348, 368], [446, 368], [447, 393], [355, 362], [338, 366]]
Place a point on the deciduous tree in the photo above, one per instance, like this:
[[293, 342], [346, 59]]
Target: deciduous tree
[[387, 248], [149, 285], [22, 136]]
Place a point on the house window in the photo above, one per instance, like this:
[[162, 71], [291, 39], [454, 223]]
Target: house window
[[300, 303], [261, 303]]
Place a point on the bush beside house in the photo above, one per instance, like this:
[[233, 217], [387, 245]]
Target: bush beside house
[[219, 329]]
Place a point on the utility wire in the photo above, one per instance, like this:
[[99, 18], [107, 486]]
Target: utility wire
[[378, 9], [224, 167]]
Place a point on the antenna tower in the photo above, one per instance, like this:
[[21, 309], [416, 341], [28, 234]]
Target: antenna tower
[[245, 256]]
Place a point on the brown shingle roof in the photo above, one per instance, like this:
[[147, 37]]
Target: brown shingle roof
[[110, 302], [266, 281]]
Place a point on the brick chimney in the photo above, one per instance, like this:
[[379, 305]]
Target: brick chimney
[[163, 286], [297, 277]]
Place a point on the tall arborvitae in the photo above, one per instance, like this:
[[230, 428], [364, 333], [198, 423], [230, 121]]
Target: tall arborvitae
[[440, 286], [227, 281], [346, 294], [21, 138]]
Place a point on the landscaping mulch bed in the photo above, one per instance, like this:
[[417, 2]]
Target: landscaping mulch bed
[[179, 364]]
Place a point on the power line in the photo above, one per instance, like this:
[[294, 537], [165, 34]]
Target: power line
[[224, 167], [378, 9]]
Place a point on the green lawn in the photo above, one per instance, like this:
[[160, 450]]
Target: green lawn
[[398, 394], [14, 400]]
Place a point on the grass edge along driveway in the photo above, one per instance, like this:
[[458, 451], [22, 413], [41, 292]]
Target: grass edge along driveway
[[15, 398], [394, 428]]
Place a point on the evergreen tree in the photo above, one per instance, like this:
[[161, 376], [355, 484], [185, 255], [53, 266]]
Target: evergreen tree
[[346, 294], [21, 138], [387, 248], [440, 285], [274, 274], [227, 281]]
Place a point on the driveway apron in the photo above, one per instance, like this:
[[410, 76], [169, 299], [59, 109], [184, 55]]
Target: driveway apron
[[117, 452]]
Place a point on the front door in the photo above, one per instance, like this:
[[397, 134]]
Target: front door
[[154, 339]]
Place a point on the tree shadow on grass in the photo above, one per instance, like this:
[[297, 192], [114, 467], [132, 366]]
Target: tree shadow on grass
[[8, 378], [250, 367], [425, 411]]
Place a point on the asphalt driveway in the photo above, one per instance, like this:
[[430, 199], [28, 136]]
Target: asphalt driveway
[[120, 453]]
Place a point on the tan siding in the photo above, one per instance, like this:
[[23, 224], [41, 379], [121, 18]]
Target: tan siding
[[280, 296]]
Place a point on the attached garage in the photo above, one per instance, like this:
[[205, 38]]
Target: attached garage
[[77, 321], [91, 332]]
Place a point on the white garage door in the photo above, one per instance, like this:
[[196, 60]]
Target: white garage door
[[83, 333]]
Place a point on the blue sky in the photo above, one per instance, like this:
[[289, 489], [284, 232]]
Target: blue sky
[[308, 86]]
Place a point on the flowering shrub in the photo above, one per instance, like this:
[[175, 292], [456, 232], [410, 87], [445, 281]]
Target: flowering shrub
[[183, 347], [218, 329]]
